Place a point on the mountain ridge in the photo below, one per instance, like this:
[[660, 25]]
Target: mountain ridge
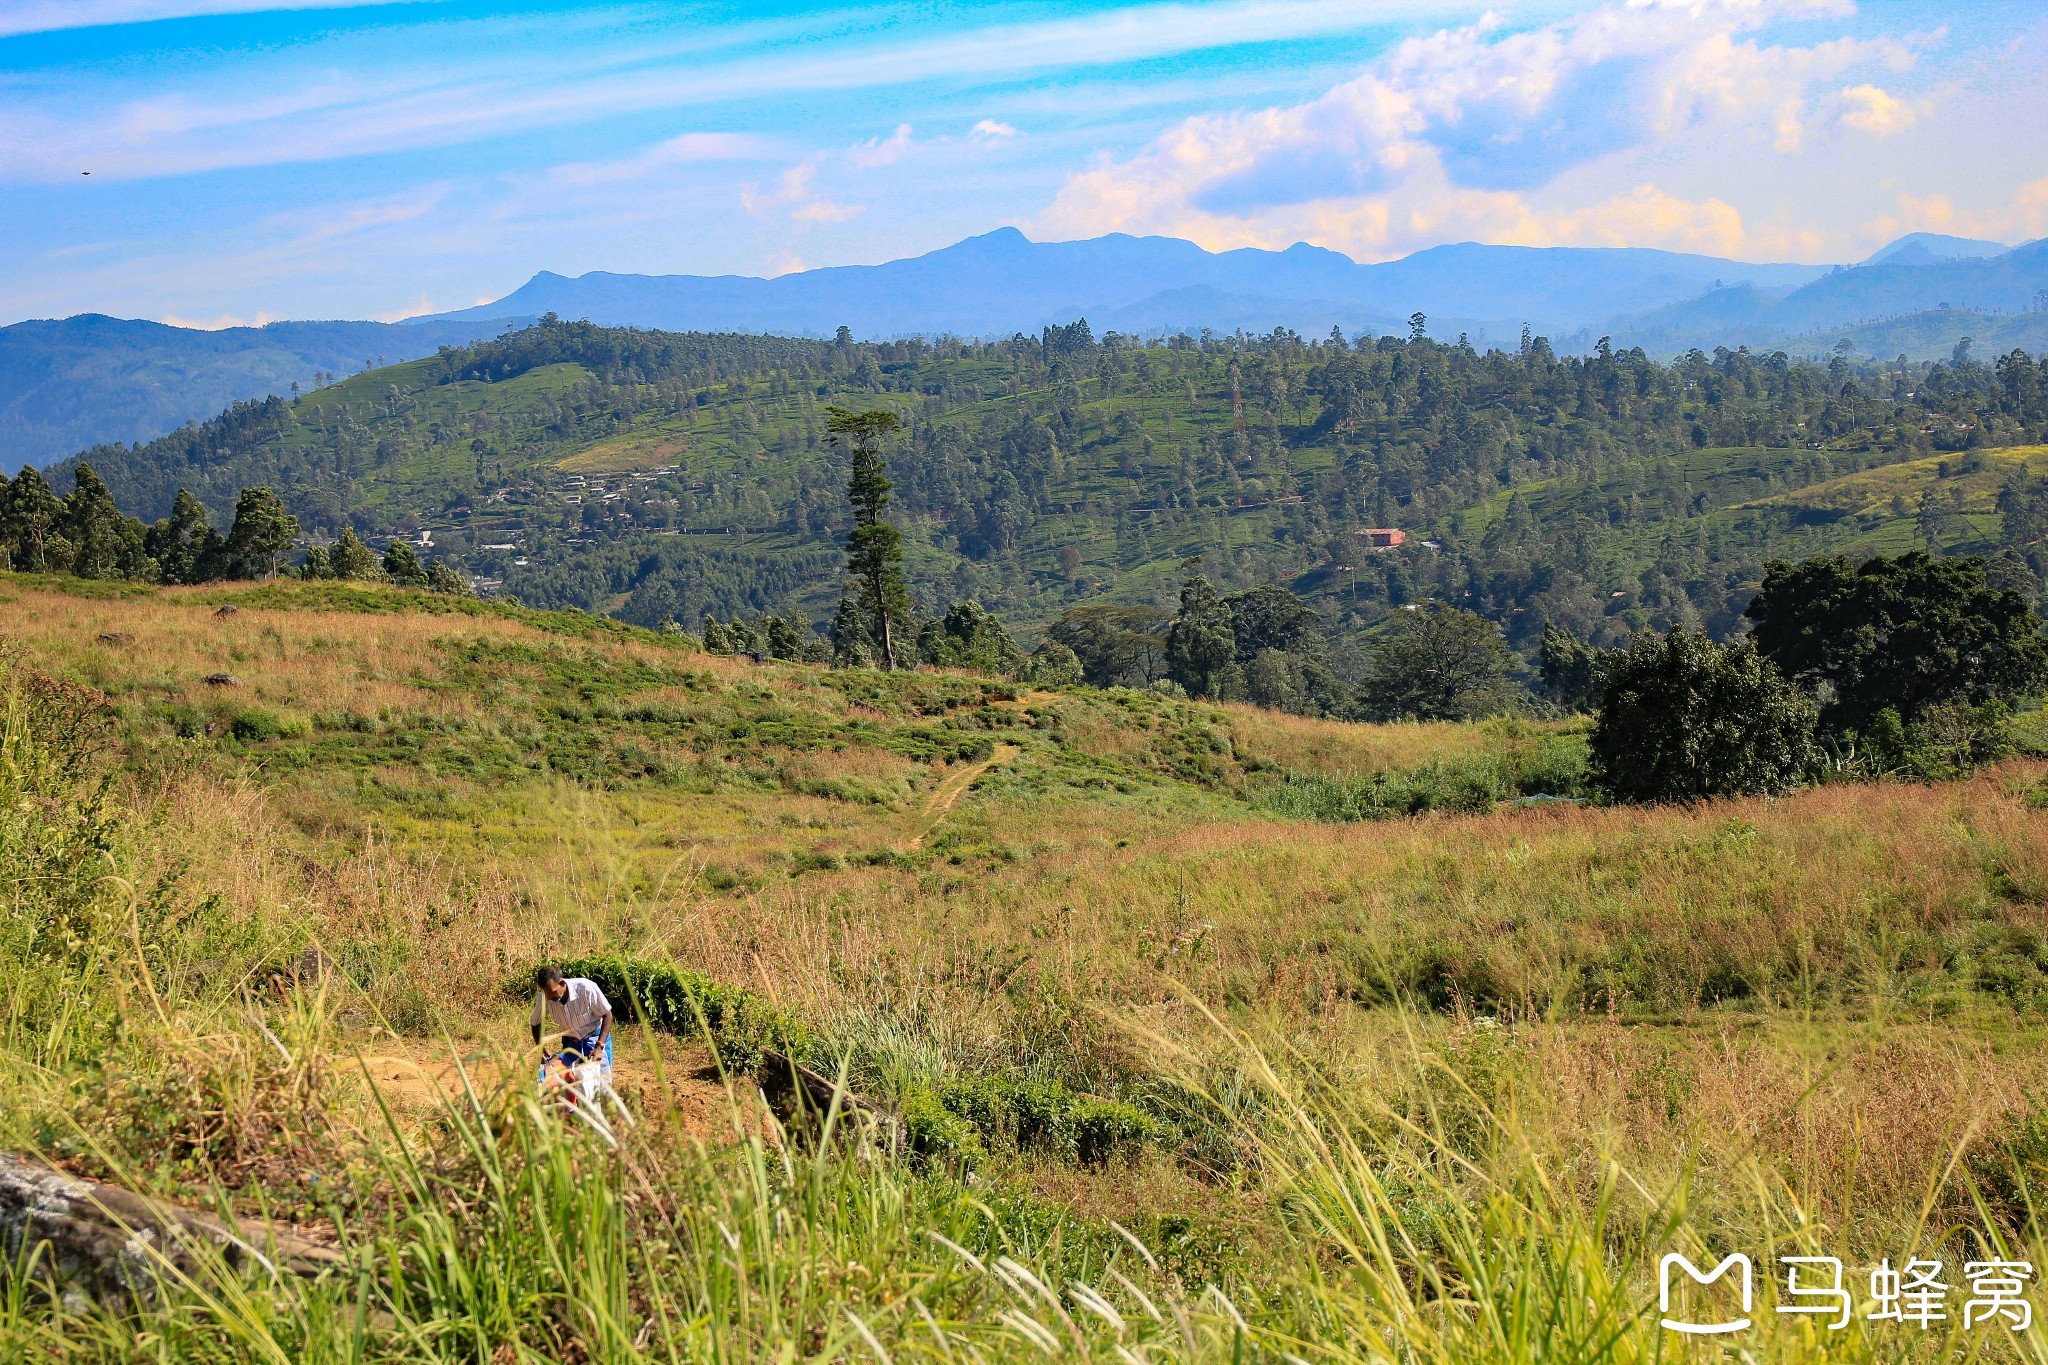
[[69, 384], [998, 283]]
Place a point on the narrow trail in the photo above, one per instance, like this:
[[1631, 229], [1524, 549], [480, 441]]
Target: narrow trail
[[956, 784]]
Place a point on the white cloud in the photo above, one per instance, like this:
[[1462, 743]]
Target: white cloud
[[992, 130], [220, 323], [1868, 109], [2021, 217], [1469, 132], [794, 198], [882, 151]]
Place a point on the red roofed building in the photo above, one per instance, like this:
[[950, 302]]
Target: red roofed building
[[1384, 537]]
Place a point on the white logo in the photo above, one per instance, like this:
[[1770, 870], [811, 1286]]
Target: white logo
[[1671, 1259]]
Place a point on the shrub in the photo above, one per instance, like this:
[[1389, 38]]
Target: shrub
[[1041, 1116], [1683, 718], [741, 1024], [254, 724]]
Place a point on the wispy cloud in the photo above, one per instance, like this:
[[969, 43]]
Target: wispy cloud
[[682, 150], [794, 198], [222, 124], [50, 16]]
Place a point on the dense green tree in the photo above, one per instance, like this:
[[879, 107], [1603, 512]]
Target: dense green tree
[[262, 532], [402, 566], [1115, 644], [1903, 633], [103, 542], [789, 636], [967, 636], [874, 549], [1271, 617], [1438, 662], [316, 564], [2023, 514], [443, 577], [741, 638], [1201, 651], [1569, 668], [350, 558], [852, 635], [1052, 664], [1682, 718], [32, 517], [184, 544]]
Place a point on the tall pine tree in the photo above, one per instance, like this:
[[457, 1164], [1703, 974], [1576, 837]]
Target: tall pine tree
[[874, 549]]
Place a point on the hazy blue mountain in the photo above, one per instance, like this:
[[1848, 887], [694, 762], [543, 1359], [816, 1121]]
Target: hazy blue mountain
[[1918, 248], [89, 379], [1004, 282], [1905, 283], [1930, 335]]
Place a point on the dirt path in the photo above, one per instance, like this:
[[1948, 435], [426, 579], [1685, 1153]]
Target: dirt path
[[956, 784], [415, 1078]]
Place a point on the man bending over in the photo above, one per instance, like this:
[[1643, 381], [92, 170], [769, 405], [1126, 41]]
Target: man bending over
[[578, 1009]]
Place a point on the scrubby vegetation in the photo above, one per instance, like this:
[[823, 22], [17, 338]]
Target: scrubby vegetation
[[1212, 1032]]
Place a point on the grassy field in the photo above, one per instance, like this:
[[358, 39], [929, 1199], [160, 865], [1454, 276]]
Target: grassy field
[[1438, 1086]]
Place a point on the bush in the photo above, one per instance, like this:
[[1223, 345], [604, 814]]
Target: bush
[[1041, 1116], [1946, 741], [741, 1024], [255, 724], [1683, 718]]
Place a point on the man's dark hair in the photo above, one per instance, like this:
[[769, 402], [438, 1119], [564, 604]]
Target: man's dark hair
[[547, 976]]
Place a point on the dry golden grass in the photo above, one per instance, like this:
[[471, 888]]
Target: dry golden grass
[[1340, 749], [1035, 931]]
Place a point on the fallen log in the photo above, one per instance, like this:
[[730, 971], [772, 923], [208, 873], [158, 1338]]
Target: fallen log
[[110, 1240]]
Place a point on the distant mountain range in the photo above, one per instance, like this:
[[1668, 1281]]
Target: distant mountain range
[[1003, 282], [65, 385], [91, 379]]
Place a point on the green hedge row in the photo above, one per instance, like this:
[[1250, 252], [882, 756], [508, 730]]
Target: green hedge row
[[963, 1119], [959, 1120], [740, 1022]]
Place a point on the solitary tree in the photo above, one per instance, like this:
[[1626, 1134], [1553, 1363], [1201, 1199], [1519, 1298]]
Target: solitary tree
[[263, 530], [1201, 650], [874, 549], [1438, 663], [1683, 718]]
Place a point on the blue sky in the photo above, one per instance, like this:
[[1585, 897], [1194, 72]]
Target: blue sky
[[253, 160]]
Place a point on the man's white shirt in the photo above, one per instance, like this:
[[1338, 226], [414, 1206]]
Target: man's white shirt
[[580, 1013]]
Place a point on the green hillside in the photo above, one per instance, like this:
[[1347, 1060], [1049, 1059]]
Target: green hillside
[[1138, 1058], [662, 476]]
